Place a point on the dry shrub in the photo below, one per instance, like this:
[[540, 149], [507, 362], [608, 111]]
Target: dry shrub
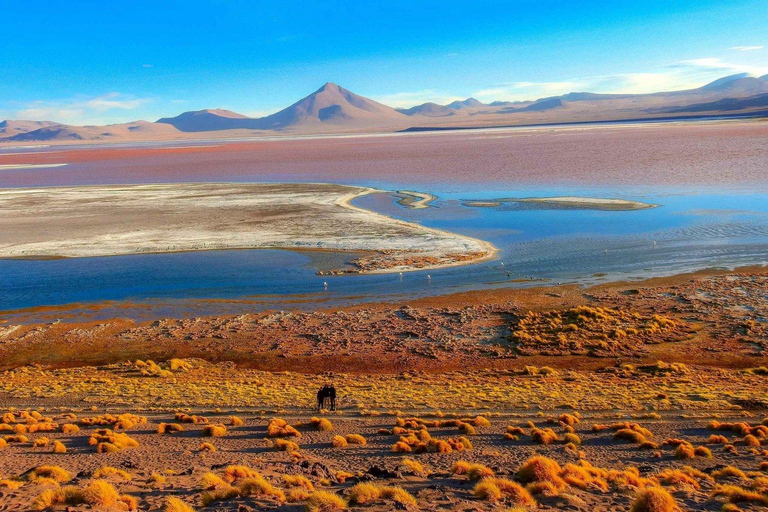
[[685, 451], [54, 473], [399, 495], [654, 499], [364, 494], [541, 469], [569, 419], [321, 424], [70, 429], [207, 447], [736, 494], [460, 467], [543, 436], [494, 489], [218, 430], [257, 486], [107, 441], [186, 418], [703, 451], [480, 421], [212, 481], [278, 427], [109, 471], [173, 504], [298, 481], [324, 501], [235, 421], [572, 438], [728, 471], [169, 428], [7, 483], [297, 494], [41, 442], [101, 494], [355, 439], [399, 447], [677, 477], [715, 439], [411, 466], [339, 442], [283, 445], [478, 472], [630, 435], [234, 473]]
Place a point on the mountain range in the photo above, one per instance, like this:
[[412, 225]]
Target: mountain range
[[333, 109]]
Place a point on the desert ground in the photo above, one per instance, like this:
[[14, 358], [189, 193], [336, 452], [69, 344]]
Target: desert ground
[[132, 219], [645, 396]]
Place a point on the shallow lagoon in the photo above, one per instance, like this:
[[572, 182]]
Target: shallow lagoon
[[538, 244]]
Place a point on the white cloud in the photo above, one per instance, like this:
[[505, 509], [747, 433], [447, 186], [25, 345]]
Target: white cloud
[[747, 48], [687, 74], [78, 110]]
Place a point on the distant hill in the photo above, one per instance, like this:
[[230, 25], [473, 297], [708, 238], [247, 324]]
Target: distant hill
[[724, 105], [428, 109], [138, 130], [209, 120], [335, 106], [10, 128], [467, 103], [332, 108]]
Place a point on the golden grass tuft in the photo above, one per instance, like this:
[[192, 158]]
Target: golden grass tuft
[[339, 442], [541, 469], [400, 447], [109, 471], [278, 427], [325, 501], [296, 494], [173, 504], [413, 467], [101, 494], [284, 445], [654, 499], [54, 473], [399, 495], [258, 486], [298, 481], [321, 424], [207, 447], [169, 428], [685, 451], [70, 429], [234, 473], [543, 436], [355, 439], [728, 471], [235, 421], [478, 472], [218, 430], [364, 494], [736, 494]]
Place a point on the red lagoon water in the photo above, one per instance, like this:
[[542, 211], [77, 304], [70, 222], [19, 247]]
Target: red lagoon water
[[727, 154]]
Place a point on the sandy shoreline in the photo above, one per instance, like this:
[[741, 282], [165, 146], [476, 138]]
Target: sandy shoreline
[[140, 219]]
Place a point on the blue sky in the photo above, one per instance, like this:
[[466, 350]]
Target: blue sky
[[99, 62]]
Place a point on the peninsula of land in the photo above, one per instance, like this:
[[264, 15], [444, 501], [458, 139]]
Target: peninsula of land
[[133, 219]]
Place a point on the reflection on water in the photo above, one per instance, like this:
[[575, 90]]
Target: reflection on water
[[686, 232]]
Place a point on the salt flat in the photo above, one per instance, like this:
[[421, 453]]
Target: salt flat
[[131, 219]]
